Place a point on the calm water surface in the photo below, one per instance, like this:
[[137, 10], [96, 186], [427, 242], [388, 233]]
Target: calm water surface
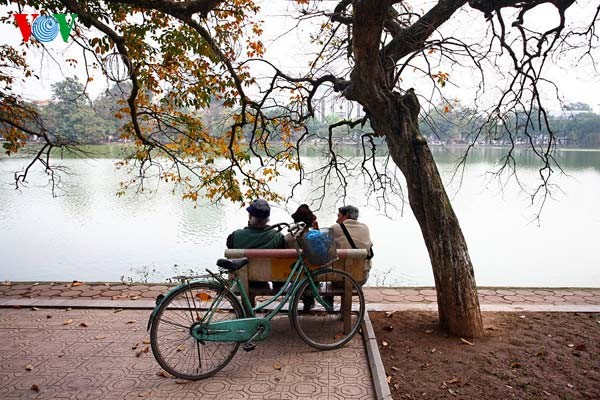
[[90, 234]]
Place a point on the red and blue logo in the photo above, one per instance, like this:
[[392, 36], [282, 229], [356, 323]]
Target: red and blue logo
[[45, 28]]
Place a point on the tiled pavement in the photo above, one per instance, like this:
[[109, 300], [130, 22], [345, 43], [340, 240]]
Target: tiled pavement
[[143, 295], [103, 354], [96, 359]]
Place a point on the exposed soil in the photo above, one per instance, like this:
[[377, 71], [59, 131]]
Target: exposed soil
[[522, 356]]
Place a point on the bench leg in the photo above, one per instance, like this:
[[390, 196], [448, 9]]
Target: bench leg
[[347, 307]]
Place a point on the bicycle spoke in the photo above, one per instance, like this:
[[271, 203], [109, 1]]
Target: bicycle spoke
[[172, 344]]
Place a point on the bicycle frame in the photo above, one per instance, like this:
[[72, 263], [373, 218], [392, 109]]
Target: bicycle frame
[[253, 327]]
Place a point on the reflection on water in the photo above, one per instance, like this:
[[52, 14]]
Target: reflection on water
[[88, 233]]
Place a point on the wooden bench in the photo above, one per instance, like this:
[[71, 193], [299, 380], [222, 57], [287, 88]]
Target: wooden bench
[[273, 265]]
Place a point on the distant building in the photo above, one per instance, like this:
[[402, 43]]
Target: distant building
[[338, 107]]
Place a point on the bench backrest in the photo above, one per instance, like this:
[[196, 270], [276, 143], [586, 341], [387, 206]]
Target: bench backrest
[[274, 264]]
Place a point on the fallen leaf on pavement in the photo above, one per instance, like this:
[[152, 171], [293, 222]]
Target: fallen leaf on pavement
[[277, 366], [134, 297], [181, 382], [68, 322], [83, 325], [144, 394], [143, 351], [571, 345], [388, 378], [100, 337], [35, 388], [28, 367], [467, 342], [384, 343], [388, 314], [181, 347], [76, 283], [34, 308], [433, 350], [163, 374], [453, 380], [48, 316], [118, 310], [515, 365], [395, 368], [131, 321], [146, 341], [135, 346]]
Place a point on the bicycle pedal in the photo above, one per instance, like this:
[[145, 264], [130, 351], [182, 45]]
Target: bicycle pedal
[[249, 346]]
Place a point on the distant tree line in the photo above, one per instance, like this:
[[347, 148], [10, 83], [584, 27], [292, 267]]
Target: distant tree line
[[578, 127], [83, 120]]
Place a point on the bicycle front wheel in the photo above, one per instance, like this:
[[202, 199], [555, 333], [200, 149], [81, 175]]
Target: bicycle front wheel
[[173, 346], [330, 317]]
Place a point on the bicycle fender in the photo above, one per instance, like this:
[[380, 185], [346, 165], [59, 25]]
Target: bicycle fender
[[162, 297]]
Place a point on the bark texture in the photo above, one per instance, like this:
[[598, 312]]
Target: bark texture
[[395, 116]]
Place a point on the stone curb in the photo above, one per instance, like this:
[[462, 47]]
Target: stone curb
[[142, 304], [382, 389]]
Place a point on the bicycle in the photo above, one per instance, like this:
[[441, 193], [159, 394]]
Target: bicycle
[[198, 326]]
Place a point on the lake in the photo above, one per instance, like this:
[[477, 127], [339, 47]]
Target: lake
[[90, 234]]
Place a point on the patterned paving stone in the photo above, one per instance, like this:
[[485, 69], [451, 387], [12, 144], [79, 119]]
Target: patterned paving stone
[[111, 292], [523, 292], [543, 292], [70, 363], [554, 299], [514, 299], [504, 292], [582, 293], [414, 298], [152, 294]]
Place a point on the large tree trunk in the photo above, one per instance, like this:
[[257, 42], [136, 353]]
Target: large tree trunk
[[458, 304], [396, 117]]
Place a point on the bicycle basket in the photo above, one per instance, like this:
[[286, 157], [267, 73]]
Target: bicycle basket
[[318, 246]]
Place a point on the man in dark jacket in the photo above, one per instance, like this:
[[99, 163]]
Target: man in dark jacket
[[256, 235]]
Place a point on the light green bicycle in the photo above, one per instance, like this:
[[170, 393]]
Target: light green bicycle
[[198, 326]]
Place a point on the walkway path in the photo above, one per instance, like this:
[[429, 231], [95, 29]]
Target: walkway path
[[143, 295], [89, 340]]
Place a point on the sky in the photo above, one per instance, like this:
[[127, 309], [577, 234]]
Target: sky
[[577, 81]]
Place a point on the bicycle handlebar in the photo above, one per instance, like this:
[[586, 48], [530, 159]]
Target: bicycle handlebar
[[294, 229]]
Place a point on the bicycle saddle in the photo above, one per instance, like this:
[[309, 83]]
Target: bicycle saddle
[[233, 264]]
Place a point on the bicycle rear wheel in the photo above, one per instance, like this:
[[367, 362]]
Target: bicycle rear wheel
[[173, 346], [329, 328]]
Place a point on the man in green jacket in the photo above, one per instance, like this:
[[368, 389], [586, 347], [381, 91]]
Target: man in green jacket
[[256, 235]]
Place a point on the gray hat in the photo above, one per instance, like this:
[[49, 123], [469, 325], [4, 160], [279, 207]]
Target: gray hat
[[259, 208]]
